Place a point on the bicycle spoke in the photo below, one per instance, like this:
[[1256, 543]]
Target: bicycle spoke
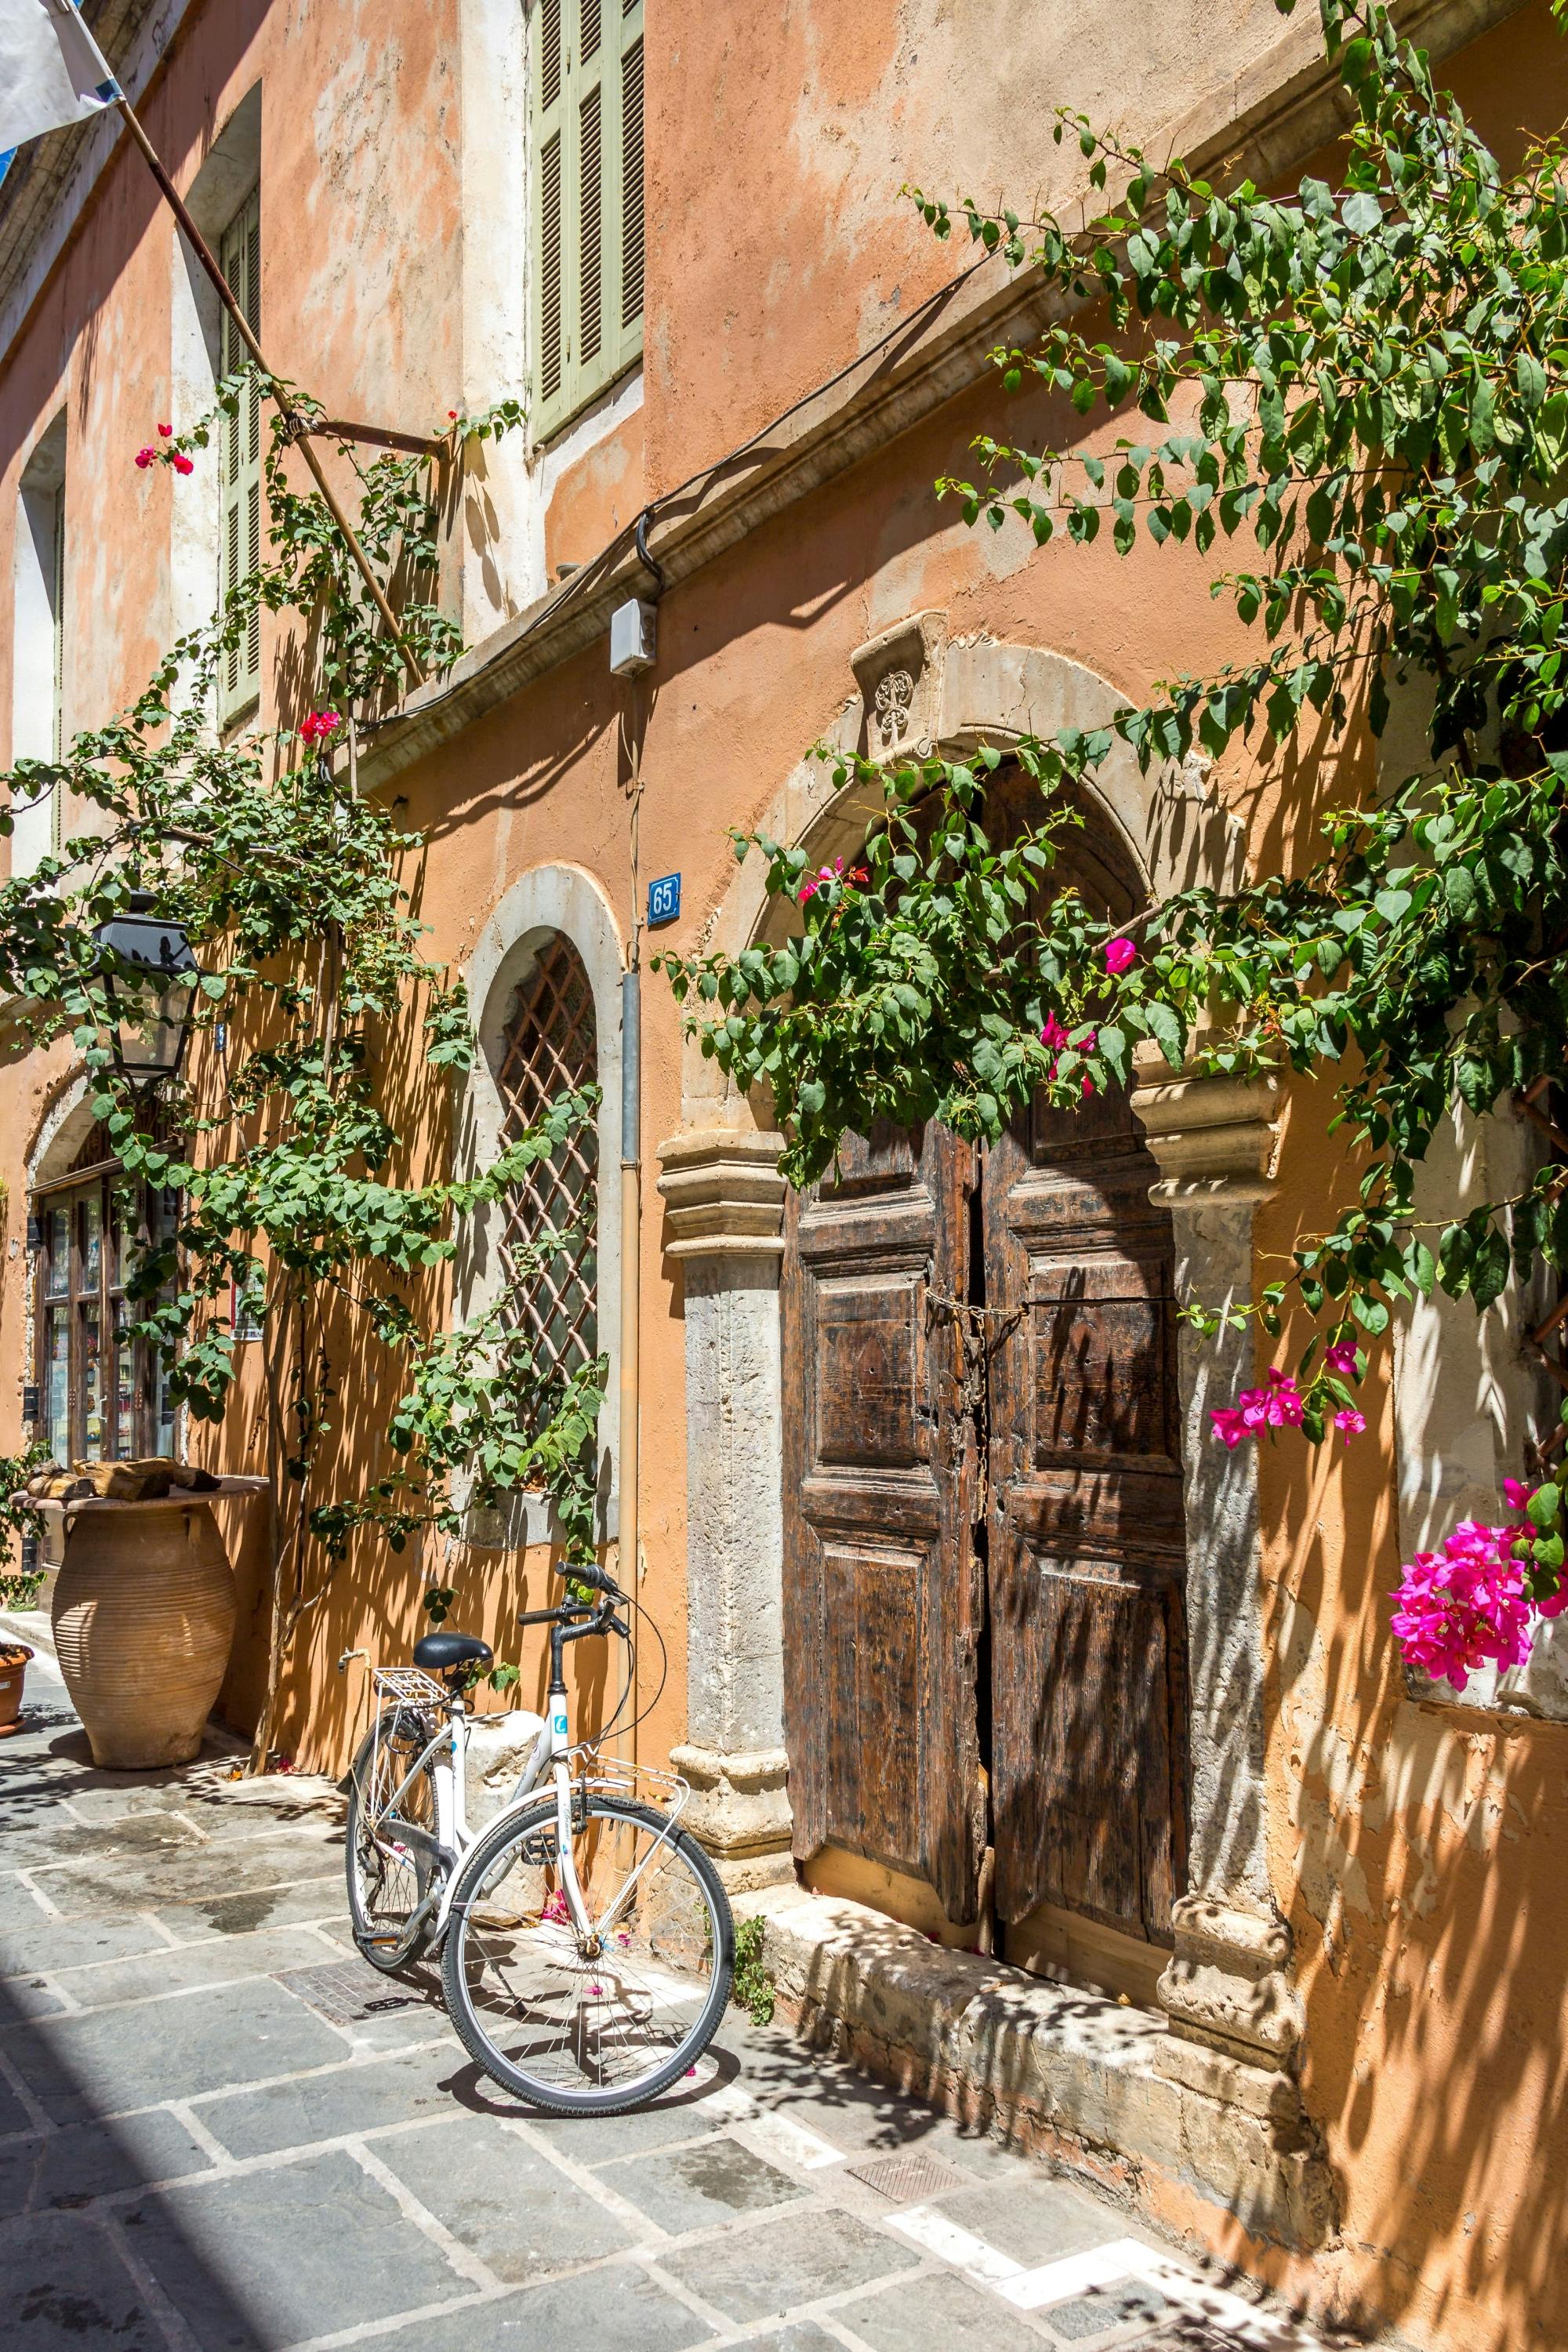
[[595, 2015], [393, 1815]]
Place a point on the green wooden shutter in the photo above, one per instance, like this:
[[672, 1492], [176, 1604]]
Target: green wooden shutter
[[588, 248], [240, 446]]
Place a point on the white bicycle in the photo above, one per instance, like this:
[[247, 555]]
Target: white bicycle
[[586, 1943]]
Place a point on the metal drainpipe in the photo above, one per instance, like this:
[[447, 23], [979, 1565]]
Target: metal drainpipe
[[631, 1266]]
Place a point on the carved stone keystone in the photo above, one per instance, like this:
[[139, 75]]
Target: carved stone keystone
[[900, 675]]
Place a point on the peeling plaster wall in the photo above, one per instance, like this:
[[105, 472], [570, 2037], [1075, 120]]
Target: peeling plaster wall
[[1416, 1851]]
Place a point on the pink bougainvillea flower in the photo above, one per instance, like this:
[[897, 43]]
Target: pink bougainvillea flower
[[319, 726], [1276, 1405], [1342, 1359], [1350, 1423], [1283, 1402], [182, 464], [1053, 1037], [1118, 954], [1466, 1606], [834, 873], [165, 431], [452, 415], [1515, 1493], [144, 457]]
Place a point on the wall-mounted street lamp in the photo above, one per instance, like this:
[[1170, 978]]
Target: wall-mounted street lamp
[[151, 994]]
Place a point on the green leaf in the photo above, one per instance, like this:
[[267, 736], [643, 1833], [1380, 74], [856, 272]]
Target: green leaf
[[1361, 214], [1166, 1028], [1459, 890]]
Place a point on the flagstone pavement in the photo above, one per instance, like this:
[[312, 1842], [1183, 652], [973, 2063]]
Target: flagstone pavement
[[221, 2132]]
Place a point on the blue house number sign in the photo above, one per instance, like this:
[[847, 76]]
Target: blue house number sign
[[663, 900]]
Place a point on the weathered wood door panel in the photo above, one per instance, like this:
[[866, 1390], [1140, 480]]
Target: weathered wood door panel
[[1085, 1530], [883, 1597]]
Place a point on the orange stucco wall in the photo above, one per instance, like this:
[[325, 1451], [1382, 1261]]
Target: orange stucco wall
[[1419, 1855]]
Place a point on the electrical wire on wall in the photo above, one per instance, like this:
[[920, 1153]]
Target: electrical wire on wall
[[635, 534]]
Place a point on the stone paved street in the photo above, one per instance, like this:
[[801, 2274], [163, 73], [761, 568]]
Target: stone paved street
[[218, 2129]]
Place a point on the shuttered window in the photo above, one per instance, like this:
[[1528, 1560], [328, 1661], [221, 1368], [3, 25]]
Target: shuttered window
[[587, 125], [239, 681]]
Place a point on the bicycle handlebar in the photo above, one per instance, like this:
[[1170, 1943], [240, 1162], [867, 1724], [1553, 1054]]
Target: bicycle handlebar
[[603, 1615], [595, 1578]]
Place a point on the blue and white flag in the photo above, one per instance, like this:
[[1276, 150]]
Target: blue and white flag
[[52, 71]]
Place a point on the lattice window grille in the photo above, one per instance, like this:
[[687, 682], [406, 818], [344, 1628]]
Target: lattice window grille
[[549, 1047]]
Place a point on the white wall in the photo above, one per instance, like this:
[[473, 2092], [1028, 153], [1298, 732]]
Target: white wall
[[1470, 1394], [33, 673]]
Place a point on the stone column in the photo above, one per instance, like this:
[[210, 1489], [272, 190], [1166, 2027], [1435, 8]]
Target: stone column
[[1234, 2017], [724, 1220]]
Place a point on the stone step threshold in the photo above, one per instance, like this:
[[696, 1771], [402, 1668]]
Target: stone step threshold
[[1188, 2132]]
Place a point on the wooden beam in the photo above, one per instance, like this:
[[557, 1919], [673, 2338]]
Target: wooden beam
[[380, 436]]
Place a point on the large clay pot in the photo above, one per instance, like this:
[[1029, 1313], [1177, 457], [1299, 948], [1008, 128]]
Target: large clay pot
[[144, 1617]]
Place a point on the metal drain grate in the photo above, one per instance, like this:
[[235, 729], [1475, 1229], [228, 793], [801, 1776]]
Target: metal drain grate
[[345, 1992], [910, 2179]]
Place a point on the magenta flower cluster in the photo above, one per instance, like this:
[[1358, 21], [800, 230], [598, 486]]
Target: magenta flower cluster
[[1466, 1606], [1279, 1405], [834, 873], [1053, 1037], [1276, 1405], [319, 726], [177, 457]]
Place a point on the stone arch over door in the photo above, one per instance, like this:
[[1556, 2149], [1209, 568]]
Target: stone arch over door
[[548, 904], [1213, 1140]]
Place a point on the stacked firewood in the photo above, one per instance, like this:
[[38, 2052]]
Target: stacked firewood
[[148, 1480]]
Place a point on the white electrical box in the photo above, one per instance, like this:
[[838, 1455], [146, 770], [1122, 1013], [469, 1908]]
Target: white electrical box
[[632, 638]]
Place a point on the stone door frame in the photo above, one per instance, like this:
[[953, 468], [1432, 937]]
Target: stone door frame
[[1235, 2020]]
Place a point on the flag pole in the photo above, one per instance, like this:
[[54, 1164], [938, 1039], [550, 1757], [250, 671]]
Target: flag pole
[[298, 431]]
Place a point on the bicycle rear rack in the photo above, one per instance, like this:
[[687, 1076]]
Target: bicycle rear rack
[[410, 1686]]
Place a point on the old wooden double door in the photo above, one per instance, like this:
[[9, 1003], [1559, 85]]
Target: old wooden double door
[[984, 1632]]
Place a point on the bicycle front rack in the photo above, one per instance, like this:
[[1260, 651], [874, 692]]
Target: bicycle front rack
[[613, 1776]]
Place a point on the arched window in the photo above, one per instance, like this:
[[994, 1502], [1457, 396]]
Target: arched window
[[548, 1047], [100, 1395]]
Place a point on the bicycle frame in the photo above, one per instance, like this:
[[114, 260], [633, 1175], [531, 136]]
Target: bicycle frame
[[446, 1752]]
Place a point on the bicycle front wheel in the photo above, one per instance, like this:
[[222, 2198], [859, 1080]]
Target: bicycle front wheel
[[390, 1835], [595, 2023]]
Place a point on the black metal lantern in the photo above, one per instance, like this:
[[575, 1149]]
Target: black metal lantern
[[150, 1003]]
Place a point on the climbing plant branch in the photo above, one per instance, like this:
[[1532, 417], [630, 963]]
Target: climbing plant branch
[[302, 1149]]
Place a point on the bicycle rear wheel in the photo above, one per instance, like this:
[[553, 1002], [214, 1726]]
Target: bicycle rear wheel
[[390, 1853], [588, 2025]]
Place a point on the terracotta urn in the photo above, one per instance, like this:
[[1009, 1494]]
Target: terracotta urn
[[144, 1617]]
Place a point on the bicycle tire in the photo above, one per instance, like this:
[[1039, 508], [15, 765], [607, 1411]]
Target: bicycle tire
[[393, 1724], [540, 1819]]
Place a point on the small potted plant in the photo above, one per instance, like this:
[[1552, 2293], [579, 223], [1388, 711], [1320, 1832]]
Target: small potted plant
[[14, 1657], [19, 1585]]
